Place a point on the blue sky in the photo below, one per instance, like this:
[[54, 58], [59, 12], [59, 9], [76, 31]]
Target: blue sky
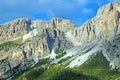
[[78, 11]]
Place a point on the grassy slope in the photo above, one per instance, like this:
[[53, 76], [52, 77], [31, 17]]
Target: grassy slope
[[33, 72], [96, 68], [55, 72], [6, 46]]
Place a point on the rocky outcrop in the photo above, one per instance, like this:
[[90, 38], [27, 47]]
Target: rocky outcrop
[[105, 25], [26, 41], [104, 28], [14, 29]]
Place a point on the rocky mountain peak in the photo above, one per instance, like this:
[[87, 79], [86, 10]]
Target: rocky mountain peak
[[56, 21], [105, 25], [109, 19], [108, 8], [18, 21]]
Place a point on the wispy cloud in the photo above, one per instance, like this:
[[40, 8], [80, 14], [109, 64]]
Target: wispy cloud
[[83, 2], [86, 10], [70, 9]]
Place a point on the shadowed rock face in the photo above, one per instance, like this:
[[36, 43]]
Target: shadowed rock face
[[32, 40]]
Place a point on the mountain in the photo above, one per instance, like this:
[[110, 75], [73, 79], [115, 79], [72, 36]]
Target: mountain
[[23, 42], [52, 48]]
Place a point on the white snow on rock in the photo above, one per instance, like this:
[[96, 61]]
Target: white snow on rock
[[83, 58], [77, 49], [80, 60], [30, 34], [52, 55]]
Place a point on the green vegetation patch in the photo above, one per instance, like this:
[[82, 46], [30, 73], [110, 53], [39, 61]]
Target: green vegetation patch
[[18, 41], [43, 62], [58, 72], [30, 74], [33, 72], [98, 66], [59, 53], [54, 72], [96, 62], [7, 45]]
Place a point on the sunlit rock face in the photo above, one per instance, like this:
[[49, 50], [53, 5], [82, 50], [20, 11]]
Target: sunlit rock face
[[105, 25], [24, 41], [105, 28], [30, 40]]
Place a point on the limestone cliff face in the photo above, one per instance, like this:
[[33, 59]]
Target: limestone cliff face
[[105, 25], [26, 41], [14, 29], [104, 28]]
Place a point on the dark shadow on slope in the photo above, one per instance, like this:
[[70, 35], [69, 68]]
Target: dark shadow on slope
[[50, 40]]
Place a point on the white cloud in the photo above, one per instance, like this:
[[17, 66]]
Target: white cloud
[[86, 11], [82, 2], [21, 8], [70, 9]]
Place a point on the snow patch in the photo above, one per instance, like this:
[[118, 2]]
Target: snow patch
[[52, 55], [30, 34], [83, 58], [79, 49], [80, 60]]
